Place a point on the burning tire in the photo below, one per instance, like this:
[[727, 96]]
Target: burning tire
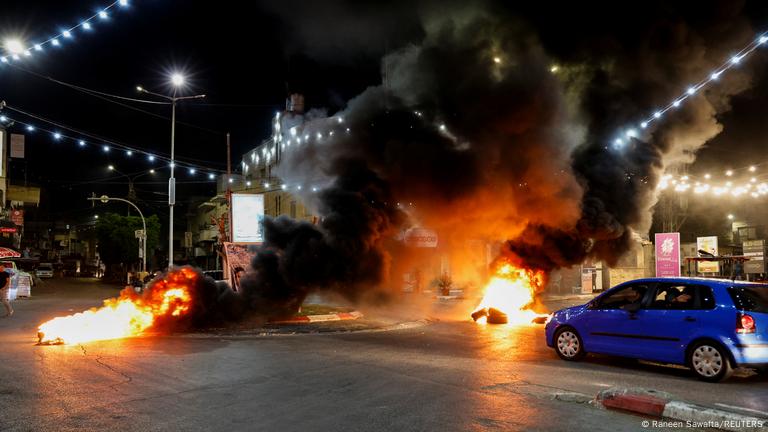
[[569, 345]]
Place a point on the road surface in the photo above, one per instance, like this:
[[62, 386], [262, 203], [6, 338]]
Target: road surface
[[449, 375]]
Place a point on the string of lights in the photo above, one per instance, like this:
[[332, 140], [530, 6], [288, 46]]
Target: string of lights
[[105, 146], [728, 187], [713, 77], [17, 49]]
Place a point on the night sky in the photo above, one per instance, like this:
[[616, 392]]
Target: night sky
[[246, 56]]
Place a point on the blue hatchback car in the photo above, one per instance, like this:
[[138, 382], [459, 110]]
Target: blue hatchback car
[[710, 325]]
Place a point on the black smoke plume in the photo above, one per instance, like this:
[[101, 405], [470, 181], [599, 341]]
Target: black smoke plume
[[486, 129], [344, 253]]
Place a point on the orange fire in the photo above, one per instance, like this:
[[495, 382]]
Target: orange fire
[[129, 315], [512, 291]]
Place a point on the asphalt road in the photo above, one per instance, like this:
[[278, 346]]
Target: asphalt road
[[450, 375]]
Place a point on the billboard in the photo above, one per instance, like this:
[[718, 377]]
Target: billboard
[[755, 250], [667, 254], [707, 244], [247, 218]]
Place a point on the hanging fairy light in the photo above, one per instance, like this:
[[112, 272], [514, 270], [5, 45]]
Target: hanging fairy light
[[105, 147], [692, 89], [16, 49]]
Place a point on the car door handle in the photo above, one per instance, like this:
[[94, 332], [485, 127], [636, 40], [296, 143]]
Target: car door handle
[[689, 319]]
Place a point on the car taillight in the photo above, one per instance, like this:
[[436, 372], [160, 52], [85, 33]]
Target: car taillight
[[745, 324]]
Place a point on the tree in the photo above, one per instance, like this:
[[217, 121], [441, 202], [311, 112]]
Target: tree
[[117, 238]]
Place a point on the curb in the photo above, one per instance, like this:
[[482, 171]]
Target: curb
[[660, 405], [341, 316]]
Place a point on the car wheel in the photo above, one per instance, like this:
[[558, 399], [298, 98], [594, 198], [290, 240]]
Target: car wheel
[[709, 361], [569, 345]]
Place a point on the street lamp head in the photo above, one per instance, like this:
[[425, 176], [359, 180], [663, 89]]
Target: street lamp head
[[152, 171], [139, 88], [177, 79], [111, 167]]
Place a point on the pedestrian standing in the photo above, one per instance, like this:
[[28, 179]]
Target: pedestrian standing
[[5, 287]]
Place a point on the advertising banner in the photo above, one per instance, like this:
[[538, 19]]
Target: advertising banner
[[239, 258], [421, 238], [755, 250], [17, 217], [17, 146], [707, 244], [667, 254], [247, 218]]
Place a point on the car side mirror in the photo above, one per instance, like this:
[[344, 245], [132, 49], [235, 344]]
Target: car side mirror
[[633, 307]]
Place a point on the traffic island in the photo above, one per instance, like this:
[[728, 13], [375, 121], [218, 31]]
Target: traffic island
[[664, 406], [318, 313]]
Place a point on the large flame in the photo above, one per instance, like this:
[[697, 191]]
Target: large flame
[[512, 291], [126, 316]]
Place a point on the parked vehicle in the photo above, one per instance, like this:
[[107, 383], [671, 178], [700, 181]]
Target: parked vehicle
[[44, 270], [710, 325]]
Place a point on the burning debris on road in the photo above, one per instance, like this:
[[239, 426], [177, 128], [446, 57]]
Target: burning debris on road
[[179, 299], [510, 295]]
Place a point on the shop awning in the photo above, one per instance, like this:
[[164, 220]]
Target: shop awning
[[8, 253]]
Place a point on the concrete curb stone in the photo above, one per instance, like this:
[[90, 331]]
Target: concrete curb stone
[[663, 405]]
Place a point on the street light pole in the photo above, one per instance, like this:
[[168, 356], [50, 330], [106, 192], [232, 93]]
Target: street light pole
[[172, 180], [105, 199], [177, 80]]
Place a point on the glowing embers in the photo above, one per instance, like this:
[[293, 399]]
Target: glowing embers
[[129, 315]]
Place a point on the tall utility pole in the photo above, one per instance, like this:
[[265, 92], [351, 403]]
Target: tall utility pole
[[177, 80], [172, 180]]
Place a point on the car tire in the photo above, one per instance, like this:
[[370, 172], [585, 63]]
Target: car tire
[[568, 344], [710, 361]]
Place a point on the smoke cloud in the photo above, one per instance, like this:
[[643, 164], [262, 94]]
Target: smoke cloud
[[476, 135]]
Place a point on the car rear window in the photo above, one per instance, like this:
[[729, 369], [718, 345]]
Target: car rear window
[[750, 298]]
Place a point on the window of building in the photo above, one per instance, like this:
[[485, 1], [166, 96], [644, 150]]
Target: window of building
[[293, 209]]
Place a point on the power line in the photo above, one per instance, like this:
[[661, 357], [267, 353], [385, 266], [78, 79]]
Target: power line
[[129, 150], [106, 97]]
